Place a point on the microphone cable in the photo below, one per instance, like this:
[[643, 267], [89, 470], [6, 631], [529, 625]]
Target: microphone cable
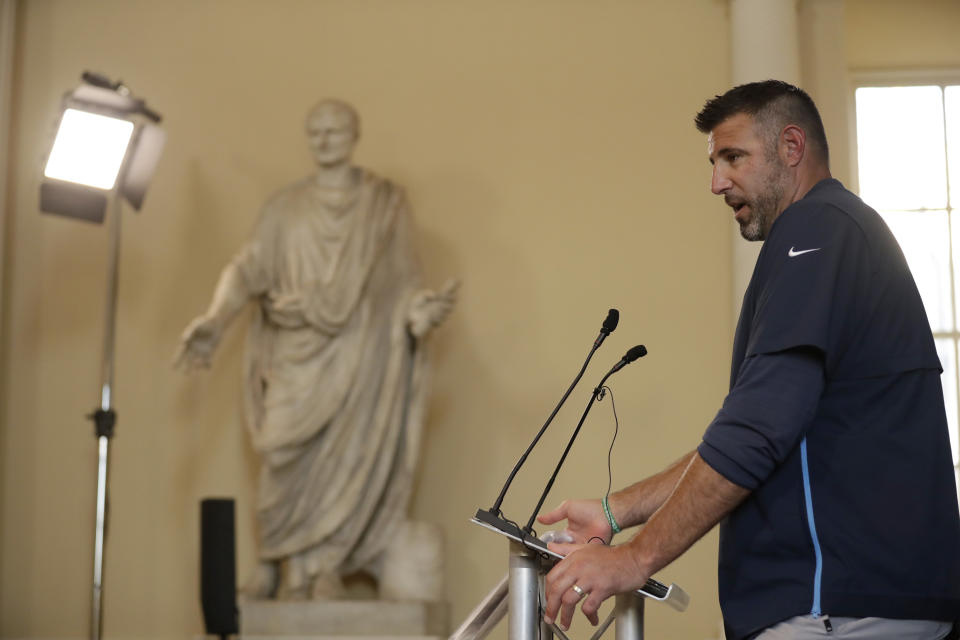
[[616, 430]]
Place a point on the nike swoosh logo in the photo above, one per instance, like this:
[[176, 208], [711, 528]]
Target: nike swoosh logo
[[794, 253]]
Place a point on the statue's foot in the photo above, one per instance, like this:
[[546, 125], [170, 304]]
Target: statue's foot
[[327, 586], [263, 584]]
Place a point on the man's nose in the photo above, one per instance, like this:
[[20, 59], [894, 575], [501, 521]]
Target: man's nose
[[719, 182]]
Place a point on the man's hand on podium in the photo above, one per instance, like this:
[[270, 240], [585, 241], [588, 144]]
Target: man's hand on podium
[[585, 520], [597, 571]]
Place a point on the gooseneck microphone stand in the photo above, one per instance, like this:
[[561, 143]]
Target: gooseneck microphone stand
[[609, 324], [636, 352]]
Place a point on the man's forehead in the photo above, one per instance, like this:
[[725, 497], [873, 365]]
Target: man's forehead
[[737, 130]]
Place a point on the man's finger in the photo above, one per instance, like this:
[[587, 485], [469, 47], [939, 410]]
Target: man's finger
[[562, 604], [563, 548], [557, 582], [590, 606], [558, 514], [568, 607]]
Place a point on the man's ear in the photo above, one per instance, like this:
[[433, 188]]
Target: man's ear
[[793, 145]]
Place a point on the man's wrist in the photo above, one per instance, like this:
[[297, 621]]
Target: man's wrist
[[643, 560], [608, 514]]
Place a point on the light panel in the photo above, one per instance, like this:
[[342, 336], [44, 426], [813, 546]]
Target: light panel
[[89, 149]]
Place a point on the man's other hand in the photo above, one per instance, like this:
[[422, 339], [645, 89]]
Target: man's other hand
[[598, 571], [585, 520]]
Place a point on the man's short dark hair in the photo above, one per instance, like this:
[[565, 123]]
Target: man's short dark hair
[[773, 104]]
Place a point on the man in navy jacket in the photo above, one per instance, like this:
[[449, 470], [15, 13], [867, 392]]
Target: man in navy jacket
[[829, 464]]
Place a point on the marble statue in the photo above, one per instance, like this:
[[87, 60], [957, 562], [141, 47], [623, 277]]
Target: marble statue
[[335, 373]]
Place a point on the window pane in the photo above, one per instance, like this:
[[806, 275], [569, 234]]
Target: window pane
[[900, 147], [952, 104], [955, 228], [946, 351], [924, 238]]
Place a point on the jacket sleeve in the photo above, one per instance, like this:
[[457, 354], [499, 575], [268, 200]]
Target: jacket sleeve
[[765, 415]]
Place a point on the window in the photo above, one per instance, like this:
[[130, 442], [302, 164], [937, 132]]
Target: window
[[908, 155]]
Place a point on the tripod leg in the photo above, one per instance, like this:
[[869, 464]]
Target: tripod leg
[[485, 615], [604, 626]]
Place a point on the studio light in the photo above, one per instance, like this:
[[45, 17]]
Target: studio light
[[107, 143], [106, 149], [89, 149]]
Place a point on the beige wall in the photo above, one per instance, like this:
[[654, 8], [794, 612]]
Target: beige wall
[[548, 152], [893, 34]]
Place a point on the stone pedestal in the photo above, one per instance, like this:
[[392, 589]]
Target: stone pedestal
[[343, 620]]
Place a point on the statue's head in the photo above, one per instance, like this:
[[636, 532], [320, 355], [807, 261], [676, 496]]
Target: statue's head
[[332, 132]]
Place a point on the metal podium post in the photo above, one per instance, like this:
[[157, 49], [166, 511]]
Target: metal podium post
[[523, 593], [523, 603], [629, 613]]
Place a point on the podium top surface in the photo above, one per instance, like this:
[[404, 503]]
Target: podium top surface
[[671, 595]]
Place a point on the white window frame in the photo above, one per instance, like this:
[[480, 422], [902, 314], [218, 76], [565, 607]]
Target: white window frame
[[915, 78]]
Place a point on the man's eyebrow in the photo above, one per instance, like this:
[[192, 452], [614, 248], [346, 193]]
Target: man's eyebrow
[[726, 151]]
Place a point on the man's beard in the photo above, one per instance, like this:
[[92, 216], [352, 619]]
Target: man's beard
[[764, 208]]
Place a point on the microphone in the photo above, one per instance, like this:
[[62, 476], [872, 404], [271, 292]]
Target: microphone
[[609, 324], [632, 354]]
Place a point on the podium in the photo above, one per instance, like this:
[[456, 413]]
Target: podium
[[520, 594]]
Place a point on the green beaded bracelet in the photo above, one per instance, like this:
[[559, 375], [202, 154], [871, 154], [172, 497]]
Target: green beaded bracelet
[[606, 511]]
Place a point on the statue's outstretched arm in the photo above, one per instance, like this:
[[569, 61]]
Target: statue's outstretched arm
[[199, 340]]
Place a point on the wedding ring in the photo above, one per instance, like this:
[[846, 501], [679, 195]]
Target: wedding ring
[[580, 592]]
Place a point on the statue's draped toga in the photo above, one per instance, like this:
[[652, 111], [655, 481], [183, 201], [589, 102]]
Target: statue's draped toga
[[335, 385]]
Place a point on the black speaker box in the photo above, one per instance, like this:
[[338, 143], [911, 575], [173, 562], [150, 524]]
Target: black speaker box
[[218, 571]]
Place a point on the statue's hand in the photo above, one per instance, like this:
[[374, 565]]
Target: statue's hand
[[197, 344], [428, 309]]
